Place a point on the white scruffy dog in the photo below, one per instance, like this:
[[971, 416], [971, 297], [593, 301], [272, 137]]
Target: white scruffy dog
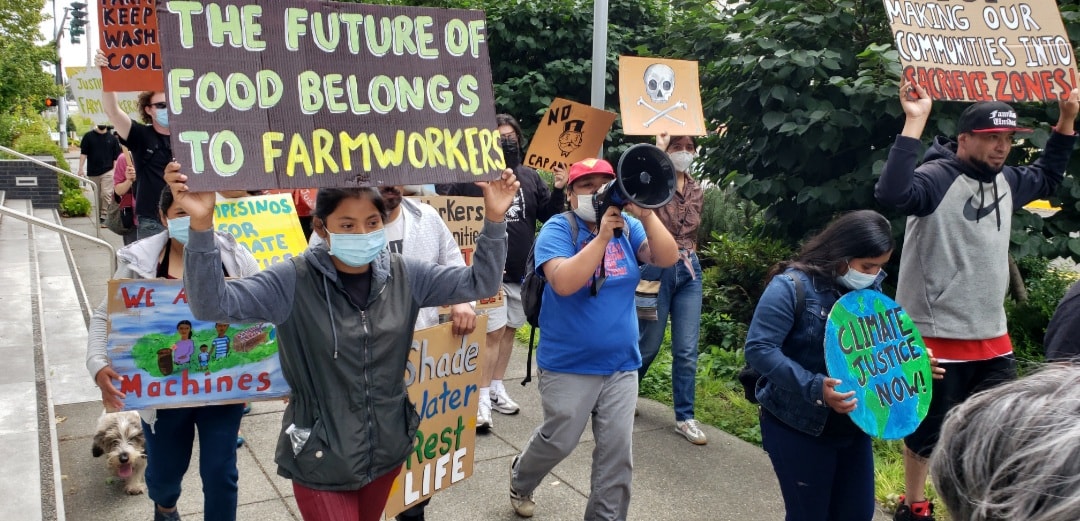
[[120, 437]]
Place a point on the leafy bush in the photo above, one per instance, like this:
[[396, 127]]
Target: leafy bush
[[74, 204], [1028, 320], [72, 201], [726, 212]]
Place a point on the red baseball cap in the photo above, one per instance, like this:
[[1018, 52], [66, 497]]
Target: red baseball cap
[[589, 166]]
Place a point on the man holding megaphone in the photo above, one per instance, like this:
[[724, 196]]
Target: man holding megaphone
[[588, 354]]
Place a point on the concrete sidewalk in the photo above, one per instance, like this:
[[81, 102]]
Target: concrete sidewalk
[[728, 479]]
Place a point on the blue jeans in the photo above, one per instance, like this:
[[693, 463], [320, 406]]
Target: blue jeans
[[168, 453], [680, 296], [821, 478], [148, 227]]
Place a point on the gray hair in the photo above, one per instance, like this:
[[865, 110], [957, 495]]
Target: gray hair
[[1013, 452]]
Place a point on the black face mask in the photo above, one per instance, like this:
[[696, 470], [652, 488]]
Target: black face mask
[[101, 127]]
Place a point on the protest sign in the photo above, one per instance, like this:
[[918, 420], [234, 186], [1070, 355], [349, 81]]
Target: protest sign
[[308, 93], [568, 133], [267, 225], [464, 216], [443, 377], [658, 95], [129, 38], [1004, 50], [873, 347], [86, 86], [166, 358]]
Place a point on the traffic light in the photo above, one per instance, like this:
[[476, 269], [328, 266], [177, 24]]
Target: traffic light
[[78, 21], [52, 103]]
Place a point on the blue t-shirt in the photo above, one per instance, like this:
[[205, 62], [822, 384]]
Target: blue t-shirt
[[580, 333]]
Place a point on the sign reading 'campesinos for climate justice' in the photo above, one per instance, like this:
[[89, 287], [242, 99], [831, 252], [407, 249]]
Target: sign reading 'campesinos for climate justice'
[[316, 94]]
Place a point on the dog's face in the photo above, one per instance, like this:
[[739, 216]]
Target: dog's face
[[120, 437]]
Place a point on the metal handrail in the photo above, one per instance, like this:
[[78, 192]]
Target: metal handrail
[[61, 229], [95, 210]]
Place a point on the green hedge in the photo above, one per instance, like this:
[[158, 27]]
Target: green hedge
[[72, 201]]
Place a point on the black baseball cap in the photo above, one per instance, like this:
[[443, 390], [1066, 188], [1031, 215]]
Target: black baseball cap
[[989, 116]]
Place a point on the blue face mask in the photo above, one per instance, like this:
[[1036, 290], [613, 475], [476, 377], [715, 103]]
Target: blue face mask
[[357, 249], [855, 279], [179, 227], [162, 117]]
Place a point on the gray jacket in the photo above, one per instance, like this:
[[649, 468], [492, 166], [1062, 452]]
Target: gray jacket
[[345, 365], [139, 260]]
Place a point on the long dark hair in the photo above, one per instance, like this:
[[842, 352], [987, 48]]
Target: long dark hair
[[507, 119], [329, 198], [853, 235]]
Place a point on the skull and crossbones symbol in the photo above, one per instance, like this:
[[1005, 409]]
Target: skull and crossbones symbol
[[659, 84]]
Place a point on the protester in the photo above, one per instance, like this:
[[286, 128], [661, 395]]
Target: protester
[[1013, 452], [344, 318], [533, 203], [588, 355], [680, 289], [954, 270], [822, 460], [170, 432], [97, 153], [123, 190], [149, 145], [1062, 341]]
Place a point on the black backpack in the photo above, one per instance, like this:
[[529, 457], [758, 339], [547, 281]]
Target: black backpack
[[532, 293], [748, 376]]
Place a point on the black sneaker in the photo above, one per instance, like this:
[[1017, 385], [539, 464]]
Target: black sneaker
[[921, 511], [166, 516]]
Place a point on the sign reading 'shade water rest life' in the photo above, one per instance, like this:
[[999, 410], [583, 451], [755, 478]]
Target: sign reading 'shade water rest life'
[[1005, 50], [873, 347], [305, 94]]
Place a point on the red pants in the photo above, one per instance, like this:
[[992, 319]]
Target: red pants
[[365, 504]]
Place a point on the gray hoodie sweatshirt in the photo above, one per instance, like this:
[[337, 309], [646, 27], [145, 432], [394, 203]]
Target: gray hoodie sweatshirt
[[344, 364]]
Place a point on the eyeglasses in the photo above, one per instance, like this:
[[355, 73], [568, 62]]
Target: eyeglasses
[[160, 105]]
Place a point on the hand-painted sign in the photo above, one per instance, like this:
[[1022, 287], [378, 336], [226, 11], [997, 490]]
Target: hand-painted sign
[[464, 216], [568, 133], [167, 358], [443, 376], [658, 95], [308, 93], [86, 86], [873, 347], [267, 225], [1005, 50], [129, 38]]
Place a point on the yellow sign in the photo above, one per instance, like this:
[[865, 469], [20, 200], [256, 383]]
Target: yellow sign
[[658, 95], [266, 225], [443, 377]]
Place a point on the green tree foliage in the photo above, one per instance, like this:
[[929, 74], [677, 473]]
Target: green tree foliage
[[23, 81]]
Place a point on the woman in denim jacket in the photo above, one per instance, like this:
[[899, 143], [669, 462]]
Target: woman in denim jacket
[[822, 460]]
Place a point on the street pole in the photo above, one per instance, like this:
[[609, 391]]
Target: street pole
[[599, 58], [61, 109]]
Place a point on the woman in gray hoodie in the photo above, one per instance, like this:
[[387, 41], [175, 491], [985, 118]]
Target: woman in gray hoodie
[[345, 313]]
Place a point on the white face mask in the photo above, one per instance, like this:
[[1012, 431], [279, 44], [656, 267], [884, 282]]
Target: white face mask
[[855, 279], [585, 208], [682, 160]]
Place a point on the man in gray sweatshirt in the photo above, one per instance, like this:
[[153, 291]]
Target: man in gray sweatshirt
[[954, 266]]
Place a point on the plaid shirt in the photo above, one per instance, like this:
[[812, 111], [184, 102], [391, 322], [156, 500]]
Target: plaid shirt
[[682, 216]]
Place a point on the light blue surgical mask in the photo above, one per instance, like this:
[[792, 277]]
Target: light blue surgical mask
[[357, 249], [162, 117], [855, 279], [179, 227]]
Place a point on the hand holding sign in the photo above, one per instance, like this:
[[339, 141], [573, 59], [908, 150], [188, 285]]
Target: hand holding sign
[[1069, 108], [842, 403], [198, 205], [498, 195]]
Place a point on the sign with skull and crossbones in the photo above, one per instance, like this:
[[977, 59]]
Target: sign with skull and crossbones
[[659, 95]]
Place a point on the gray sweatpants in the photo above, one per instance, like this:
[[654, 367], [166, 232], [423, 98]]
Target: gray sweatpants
[[569, 400]]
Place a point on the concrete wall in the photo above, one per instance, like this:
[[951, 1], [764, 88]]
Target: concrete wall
[[21, 179]]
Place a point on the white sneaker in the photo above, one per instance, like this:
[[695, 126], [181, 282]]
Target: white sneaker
[[501, 402], [523, 504], [483, 416], [690, 429]]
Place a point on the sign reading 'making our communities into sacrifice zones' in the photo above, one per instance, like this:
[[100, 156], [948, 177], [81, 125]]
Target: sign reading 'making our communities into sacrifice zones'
[[1005, 50], [873, 347], [305, 94]]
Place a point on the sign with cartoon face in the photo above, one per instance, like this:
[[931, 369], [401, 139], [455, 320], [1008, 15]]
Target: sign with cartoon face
[[306, 94], [660, 95], [1004, 50], [166, 358], [443, 378], [568, 133], [874, 349]]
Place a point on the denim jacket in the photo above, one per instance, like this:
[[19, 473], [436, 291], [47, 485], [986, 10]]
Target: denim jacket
[[789, 351]]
